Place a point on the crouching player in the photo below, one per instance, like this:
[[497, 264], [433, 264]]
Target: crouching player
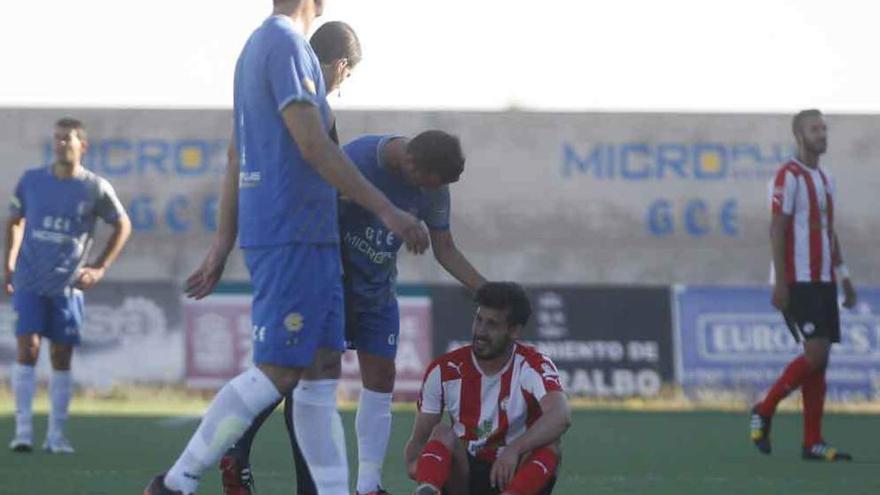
[[507, 409]]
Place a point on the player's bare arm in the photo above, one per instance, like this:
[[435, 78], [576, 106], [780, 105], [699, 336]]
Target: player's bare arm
[[92, 273], [849, 292], [548, 429], [14, 233], [778, 225], [422, 428], [453, 261], [304, 124], [203, 280]]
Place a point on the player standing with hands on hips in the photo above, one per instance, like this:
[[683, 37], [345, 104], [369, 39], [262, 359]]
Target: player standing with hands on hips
[[51, 223]]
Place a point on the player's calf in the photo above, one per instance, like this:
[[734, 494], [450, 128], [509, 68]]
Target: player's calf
[[536, 473], [434, 464]]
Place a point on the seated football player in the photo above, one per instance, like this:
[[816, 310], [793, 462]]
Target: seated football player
[[506, 406]]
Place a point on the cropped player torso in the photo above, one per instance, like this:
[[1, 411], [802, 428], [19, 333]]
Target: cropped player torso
[[807, 194], [282, 199], [489, 412], [60, 219], [369, 249]]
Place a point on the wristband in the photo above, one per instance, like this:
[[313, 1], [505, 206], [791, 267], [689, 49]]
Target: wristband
[[842, 271]]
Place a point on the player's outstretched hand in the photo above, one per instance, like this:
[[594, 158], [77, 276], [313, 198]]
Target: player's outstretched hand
[[88, 277], [780, 297], [504, 468], [849, 294], [408, 228], [205, 278]]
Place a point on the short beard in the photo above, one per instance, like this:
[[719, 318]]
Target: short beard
[[491, 353]]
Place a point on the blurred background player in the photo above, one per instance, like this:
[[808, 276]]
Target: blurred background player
[[807, 263], [506, 404], [289, 174], [52, 220], [414, 174]]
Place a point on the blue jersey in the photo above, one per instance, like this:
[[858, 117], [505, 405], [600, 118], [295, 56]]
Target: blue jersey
[[60, 219], [369, 249], [282, 199]]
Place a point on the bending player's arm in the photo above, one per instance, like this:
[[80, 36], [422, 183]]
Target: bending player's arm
[[304, 124], [14, 235], [422, 428], [849, 292], [437, 217], [453, 261], [202, 281]]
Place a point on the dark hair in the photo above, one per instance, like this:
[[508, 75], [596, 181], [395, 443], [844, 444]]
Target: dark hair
[[800, 116], [74, 125], [336, 40], [506, 295], [439, 153]]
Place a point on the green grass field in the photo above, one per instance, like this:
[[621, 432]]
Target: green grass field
[[605, 452]]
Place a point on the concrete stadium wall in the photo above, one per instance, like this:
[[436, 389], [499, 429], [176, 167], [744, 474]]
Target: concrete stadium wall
[[545, 198]]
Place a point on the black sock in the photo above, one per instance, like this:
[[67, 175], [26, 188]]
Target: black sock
[[305, 485], [241, 451]]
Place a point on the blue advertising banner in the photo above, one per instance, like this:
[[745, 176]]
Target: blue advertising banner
[[731, 342]]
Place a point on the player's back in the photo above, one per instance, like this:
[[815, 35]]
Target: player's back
[[282, 199]]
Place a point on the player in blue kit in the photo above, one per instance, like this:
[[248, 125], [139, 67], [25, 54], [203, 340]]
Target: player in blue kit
[[414, 174], [52, 219], [289, 174]]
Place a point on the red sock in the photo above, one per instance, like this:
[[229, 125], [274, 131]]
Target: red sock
[[813, 391], [434, 464], [535, 473], [792, 378]]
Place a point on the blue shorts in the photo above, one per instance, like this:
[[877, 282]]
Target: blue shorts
[[57, 318], [298, 302], [374, 331]]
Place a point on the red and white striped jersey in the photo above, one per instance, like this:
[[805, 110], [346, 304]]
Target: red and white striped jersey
[[488, 412], [807, 194]]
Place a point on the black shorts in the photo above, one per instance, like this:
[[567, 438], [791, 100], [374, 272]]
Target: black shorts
[[812, 311], [479, 483]]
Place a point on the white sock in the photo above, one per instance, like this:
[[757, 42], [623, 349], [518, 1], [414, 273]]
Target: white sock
[[314, 415], [373, 426], [60, 390], [23, 384], [230, 414]]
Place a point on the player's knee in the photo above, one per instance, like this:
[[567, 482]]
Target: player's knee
[[379, 375], [443, 433], [61, 357], [554, 448], [818, 361], [28, 349], [284, 379], [411, 470], [327, 366], [816, 353]]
